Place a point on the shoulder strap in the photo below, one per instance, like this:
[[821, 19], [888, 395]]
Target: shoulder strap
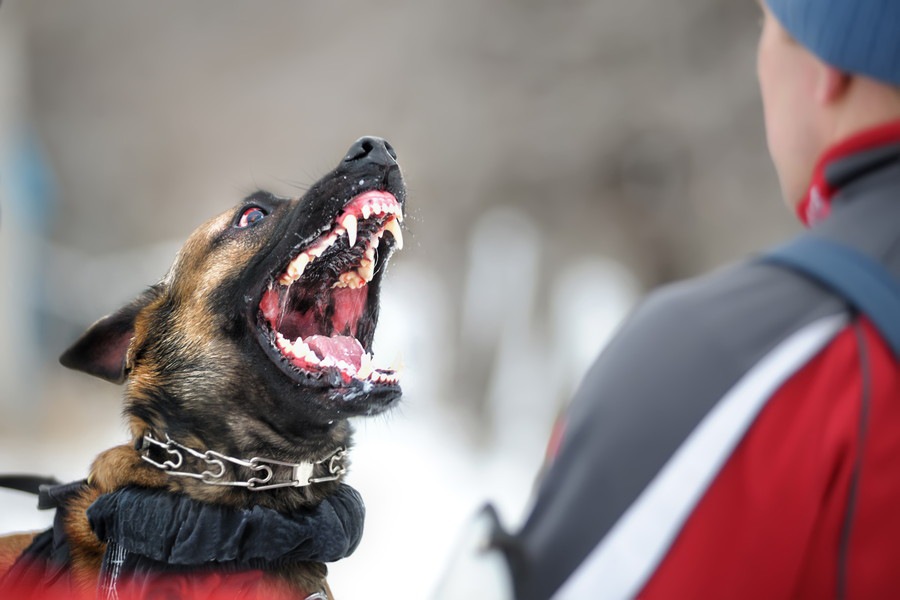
[[858, 278], [26, 483]]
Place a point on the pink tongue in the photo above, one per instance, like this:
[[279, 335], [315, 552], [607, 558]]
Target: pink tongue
[[339, 347]]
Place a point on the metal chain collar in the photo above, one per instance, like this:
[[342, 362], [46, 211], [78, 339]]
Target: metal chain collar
[[301, 474]]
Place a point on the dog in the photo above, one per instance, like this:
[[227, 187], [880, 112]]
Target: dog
[[241, 369]]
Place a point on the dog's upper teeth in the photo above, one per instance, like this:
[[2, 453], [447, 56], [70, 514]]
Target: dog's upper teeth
[[366, 211], [297, 266], [350, 224], [394, 227]]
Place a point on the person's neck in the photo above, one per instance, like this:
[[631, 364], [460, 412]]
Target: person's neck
[[867, 105]]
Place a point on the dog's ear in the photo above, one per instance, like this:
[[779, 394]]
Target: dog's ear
[[102, 350]]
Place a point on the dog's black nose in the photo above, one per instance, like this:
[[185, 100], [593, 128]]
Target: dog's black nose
[[371, 149]]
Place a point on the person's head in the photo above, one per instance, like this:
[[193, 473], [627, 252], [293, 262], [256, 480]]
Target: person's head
[[827, 69]]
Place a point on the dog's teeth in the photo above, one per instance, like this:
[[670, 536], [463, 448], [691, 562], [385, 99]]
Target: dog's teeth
[[350, 222], [296, 268], [397, 366], [310, 355], [365, 366], [318, 250], [300, 348], [366, 269], [370, 252], [366, 211], [349, 279], [345, 367], [394, 227]]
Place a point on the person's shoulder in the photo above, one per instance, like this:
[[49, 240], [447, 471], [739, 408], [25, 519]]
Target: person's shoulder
[[730, 317]]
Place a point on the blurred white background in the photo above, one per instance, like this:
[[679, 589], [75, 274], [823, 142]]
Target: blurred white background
[[561, 157]]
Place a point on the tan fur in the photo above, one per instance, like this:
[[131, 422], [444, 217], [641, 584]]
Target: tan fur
[[87, 551], [11, 546]]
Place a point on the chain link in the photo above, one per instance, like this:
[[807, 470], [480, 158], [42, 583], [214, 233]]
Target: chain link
[[264, 468]]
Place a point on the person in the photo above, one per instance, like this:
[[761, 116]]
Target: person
[[740, 436]]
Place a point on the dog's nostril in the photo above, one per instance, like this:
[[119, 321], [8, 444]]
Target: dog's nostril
[[370, 149], [390, 150]]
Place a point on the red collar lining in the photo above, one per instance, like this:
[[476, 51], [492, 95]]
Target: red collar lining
[[815, 206]]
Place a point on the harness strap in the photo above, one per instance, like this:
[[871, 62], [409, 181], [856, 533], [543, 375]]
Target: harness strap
[[26, 483], [859, 279]]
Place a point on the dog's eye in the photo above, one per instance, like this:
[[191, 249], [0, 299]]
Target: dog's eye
[[251, 216]]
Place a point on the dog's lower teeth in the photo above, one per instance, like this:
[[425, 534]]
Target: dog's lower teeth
[[366, 269], [350, 279], [305, 357]]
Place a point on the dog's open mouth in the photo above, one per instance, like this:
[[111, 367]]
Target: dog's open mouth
[[320, 311]]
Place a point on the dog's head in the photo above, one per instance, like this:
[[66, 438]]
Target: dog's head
[[260, 336]]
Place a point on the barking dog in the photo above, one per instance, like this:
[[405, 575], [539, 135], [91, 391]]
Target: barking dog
[[241, 369]]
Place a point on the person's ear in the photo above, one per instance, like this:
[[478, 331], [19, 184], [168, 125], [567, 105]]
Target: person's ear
[[831, 84]]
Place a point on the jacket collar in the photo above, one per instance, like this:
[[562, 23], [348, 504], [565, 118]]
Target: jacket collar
[[845, 162]]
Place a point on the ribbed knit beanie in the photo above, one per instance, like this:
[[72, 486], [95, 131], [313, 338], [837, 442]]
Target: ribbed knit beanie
[[856, 36]]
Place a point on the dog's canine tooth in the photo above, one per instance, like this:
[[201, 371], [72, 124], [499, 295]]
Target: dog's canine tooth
[[397, 365], [350, 224], [394, 227], [366, 367]]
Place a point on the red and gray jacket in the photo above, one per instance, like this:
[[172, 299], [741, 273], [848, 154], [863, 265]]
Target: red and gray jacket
[[740, 436]]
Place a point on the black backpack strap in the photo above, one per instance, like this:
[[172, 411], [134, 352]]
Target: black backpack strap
[[858, 278], [26, 483]]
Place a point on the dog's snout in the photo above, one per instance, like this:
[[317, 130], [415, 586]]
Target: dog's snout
[[370, 149]]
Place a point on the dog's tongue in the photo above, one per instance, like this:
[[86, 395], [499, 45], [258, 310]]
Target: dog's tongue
[[338, 347]]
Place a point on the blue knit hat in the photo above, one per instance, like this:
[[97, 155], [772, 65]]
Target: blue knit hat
[[856, 36]]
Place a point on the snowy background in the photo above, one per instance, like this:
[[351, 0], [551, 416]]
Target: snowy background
[[562, 158]]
